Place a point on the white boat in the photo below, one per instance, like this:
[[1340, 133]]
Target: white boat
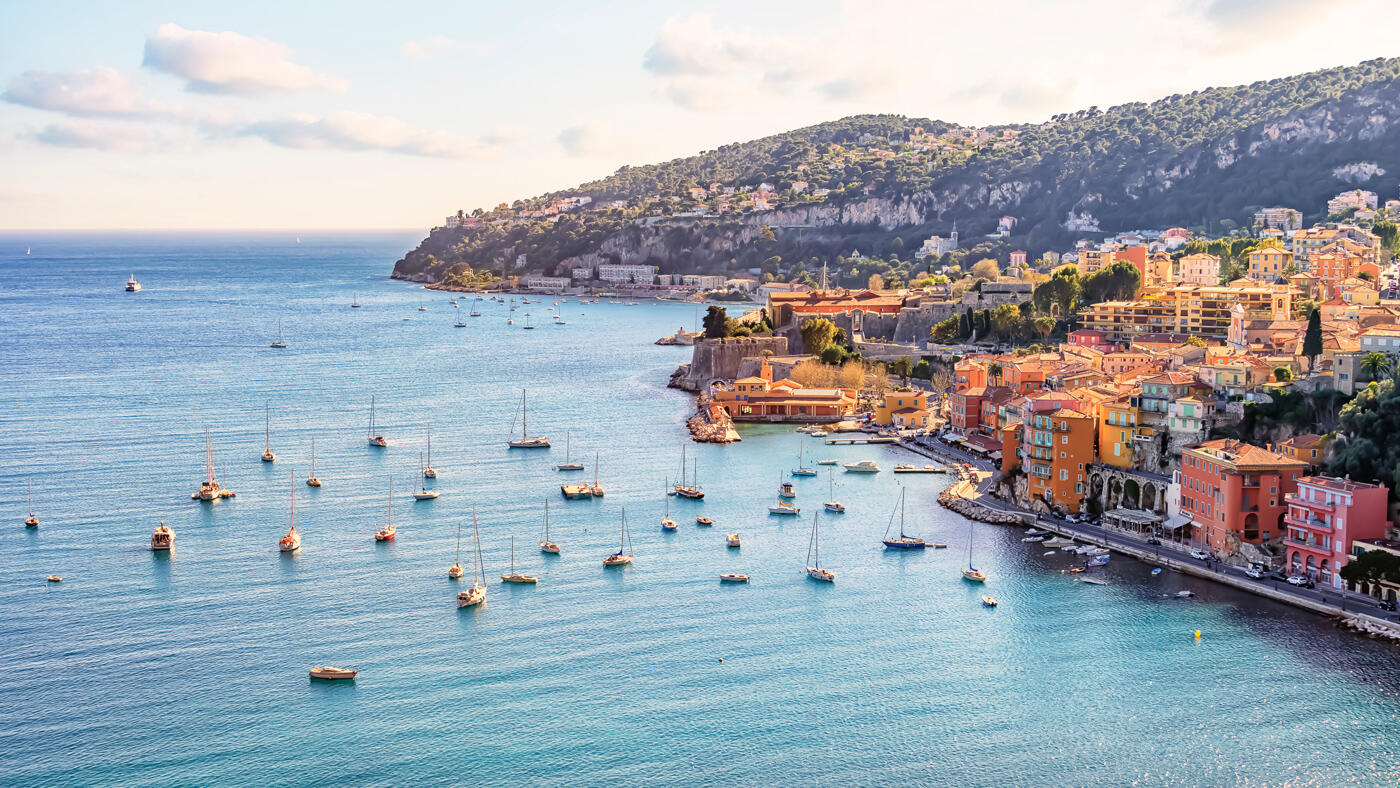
[[1058, 541], [460, 322], [827, 462], [732, 540], [667, 524], [423, 493], [210, 489], [692, 490], [1033, 539], [568, 464], [267, 455], [623, 554], [313, 480], [388, 532], [527, 322], [802, 470], [454, 572], [376, 440], [785, 490], [328, 673], [917, 469], [903, 541], [733, 577], [355, 303], [132, 286], [291, 542], [429, 472], [819, 433], [784, 508], [814, 557], [422, 308], [32, 521], [833, 505], [547, 546], [514, 576], [163, 538], [864, 466], [527, 441], [280, 343], [475, 312], [1093, 581], [477, 593]]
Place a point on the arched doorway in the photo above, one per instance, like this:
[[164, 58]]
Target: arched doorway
[[1149, 497], [1295, 562], [1312, 566], [1251, 528], [1324, 570]]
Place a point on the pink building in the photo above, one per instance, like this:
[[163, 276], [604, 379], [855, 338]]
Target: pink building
[[1018, 257], [1324, 518], [1200, 269], [1091, 338]]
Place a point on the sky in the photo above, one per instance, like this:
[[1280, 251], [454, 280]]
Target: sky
[[306, 115]]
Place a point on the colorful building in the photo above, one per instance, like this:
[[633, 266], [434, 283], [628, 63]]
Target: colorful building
[[1307, 448], [907, 409], [1057, 448], [1269, 263], [1234, 492], [762, 399], [1199, 269], [1325, 517], [1118, 427]]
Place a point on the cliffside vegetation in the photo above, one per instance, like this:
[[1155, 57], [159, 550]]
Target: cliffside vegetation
[[880, 184]]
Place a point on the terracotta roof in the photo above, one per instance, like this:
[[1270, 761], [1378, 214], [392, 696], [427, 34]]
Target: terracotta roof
[[1244, 456]]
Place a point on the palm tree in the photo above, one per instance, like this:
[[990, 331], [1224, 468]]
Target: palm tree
[[1375, 364], [994, 371]]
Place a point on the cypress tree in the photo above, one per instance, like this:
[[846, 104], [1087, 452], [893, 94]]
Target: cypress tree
[[1312, 338]]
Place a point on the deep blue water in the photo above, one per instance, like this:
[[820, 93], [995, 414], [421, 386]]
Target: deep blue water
[[191, 670]]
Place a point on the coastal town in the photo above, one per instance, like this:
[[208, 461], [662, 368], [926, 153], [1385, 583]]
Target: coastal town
[[1197, 412]]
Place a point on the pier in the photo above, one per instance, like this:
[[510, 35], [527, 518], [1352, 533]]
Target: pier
[[865, 440]]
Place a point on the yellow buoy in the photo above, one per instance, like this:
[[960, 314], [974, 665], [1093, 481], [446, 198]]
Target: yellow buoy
[[1198, 634]]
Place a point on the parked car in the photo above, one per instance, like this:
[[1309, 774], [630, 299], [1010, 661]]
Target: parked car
[[1200, 555], [1153, 540], [1301, 580], [1254, 573], [1279, 576], [1386, 605]]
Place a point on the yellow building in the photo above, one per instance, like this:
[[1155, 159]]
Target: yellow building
[[1189, 309], [1118, 422], [904, 409], [1269, 263]]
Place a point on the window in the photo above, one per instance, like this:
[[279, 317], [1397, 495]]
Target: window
[[1064, 475]]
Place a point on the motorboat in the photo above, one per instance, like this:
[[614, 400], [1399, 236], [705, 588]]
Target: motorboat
[[864, 466], [785, 490], [1032, 538], [133, 286], [328, 673], [733, 577], [988, 601], [54, 579], [827, 462], [163, 538], [731, 540], [784, 508], [1093, 581]]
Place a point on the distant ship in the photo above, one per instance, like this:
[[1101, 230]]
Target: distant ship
[[132, 286]]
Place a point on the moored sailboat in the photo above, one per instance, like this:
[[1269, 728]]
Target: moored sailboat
[[514, 576], [546, 545], [423, 493], [280, 343], [802, 470], [291, 542], [32, 521], [814, 557], [429, 472], [971, 572], [568, 464], [903, 541], [454, 572], [375, 439], [477, 593], [313, 480], [388, 532], [267, 455], [210, 489], [622, 556], [667, 524], [527, 441], [692, 490]]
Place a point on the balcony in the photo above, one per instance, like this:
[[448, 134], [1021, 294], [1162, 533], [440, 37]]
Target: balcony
[[1310, 523], [1311, 545], [1314, 505]]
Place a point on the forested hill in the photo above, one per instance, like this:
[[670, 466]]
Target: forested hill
[[882, 183]]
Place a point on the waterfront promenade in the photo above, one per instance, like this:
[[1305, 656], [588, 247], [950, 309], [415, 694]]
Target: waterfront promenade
[[1175, 555]]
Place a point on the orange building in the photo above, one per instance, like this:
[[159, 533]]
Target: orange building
[[1026, 376], [969, 373], [1234, 492], [1057, 449], [787, 306], [762, 399]]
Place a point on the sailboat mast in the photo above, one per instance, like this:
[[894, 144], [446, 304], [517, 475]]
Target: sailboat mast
[[459, 543], [267, 427], [546, 519], [313, 456], [524, 429], [390, 515], [292, 501], [430, 446], [208, 458], [371, 417], [478, 572]]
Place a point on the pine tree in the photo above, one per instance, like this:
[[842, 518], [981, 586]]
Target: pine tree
[[1312, 338]]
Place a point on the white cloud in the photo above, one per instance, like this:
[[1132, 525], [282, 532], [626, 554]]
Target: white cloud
[[230, 63], [121, 139], [93, 92], [359, 131], [503, 135], [587, 139], [433, 46]]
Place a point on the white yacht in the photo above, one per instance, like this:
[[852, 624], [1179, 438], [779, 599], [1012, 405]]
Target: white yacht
[[864, 466]]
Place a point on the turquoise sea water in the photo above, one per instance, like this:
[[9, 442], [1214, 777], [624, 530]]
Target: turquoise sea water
[[190, 669]]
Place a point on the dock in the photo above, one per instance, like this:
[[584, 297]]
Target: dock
[[864, 440]]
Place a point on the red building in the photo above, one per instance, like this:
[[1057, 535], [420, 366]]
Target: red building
[[965, 409], [1325, 518], [1234, 492]]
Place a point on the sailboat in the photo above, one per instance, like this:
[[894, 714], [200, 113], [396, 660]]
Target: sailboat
[[31, 521], [163, 538], [267, 455], [355, 303], [526, 440], [210, 489], [692, 490], [971, 572], [594, 490], [568, 464], [515, 577], [903, 542], [475, 312], [833, 505], [388, 531], [546, 545], [783, 507], [527, 321], [621, 557], [292, 541], [429, 472], [667, 524], [423, 493], [375, 440], [814, 557], [802, 470], [280, 343], [460, 322], [313, 480], [477, 593], [454, 572]]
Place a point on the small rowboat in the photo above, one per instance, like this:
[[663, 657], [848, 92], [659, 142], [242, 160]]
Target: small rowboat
[[55, 579], [988, 601], [333, 674], [704, 521]]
